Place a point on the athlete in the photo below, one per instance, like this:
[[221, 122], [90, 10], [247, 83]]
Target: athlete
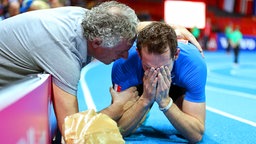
[[170, 73]]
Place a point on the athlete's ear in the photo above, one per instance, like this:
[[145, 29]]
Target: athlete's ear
[[96, 42], [177, 54]]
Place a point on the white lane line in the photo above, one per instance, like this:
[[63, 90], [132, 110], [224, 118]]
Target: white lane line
[[231, 116], [250, 84], [87, 96], [86, 92], [231, 92]]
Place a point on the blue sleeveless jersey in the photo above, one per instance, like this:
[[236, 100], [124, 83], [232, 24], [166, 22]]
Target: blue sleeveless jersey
[[189, 72]]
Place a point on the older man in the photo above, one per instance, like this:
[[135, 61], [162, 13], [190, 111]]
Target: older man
[[60, 42]]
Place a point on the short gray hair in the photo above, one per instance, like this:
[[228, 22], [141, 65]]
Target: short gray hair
[[111, 22]]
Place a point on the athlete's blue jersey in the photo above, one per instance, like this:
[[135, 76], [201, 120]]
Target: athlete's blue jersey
[[189, 72]]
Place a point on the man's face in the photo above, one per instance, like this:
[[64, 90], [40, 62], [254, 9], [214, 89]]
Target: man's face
[[156, 60], [108, 55]]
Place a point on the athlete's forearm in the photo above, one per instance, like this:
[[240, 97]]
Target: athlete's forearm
[[132, 118], [191, 128], [114, 111]]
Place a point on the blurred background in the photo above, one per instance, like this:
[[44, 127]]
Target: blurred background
[[207, 19]]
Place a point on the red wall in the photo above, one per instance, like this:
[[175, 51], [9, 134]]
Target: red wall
[[153, 7], [156, 10]]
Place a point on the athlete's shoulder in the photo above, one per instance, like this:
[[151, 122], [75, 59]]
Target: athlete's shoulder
[[189, 62], [189, 52]]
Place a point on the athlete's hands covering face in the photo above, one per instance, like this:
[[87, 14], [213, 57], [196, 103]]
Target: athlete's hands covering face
[[150, 84], [163, 86], [156, 85]]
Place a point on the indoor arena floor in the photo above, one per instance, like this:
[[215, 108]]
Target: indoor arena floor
[[230, 100]]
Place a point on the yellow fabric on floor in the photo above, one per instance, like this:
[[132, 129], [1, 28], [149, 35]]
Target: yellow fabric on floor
[[91, 128]]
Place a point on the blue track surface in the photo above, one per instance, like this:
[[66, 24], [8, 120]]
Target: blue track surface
[[230, 100]]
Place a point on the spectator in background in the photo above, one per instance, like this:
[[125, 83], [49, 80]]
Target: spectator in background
[[9, 8], [235, 40], [144, 16], [207, 33], [13, 7], [58, 3], [30, 5], [228, 32], [3, 9], [196, 32]]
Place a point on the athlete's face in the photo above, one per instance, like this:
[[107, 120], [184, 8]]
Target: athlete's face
[[156, 60]]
